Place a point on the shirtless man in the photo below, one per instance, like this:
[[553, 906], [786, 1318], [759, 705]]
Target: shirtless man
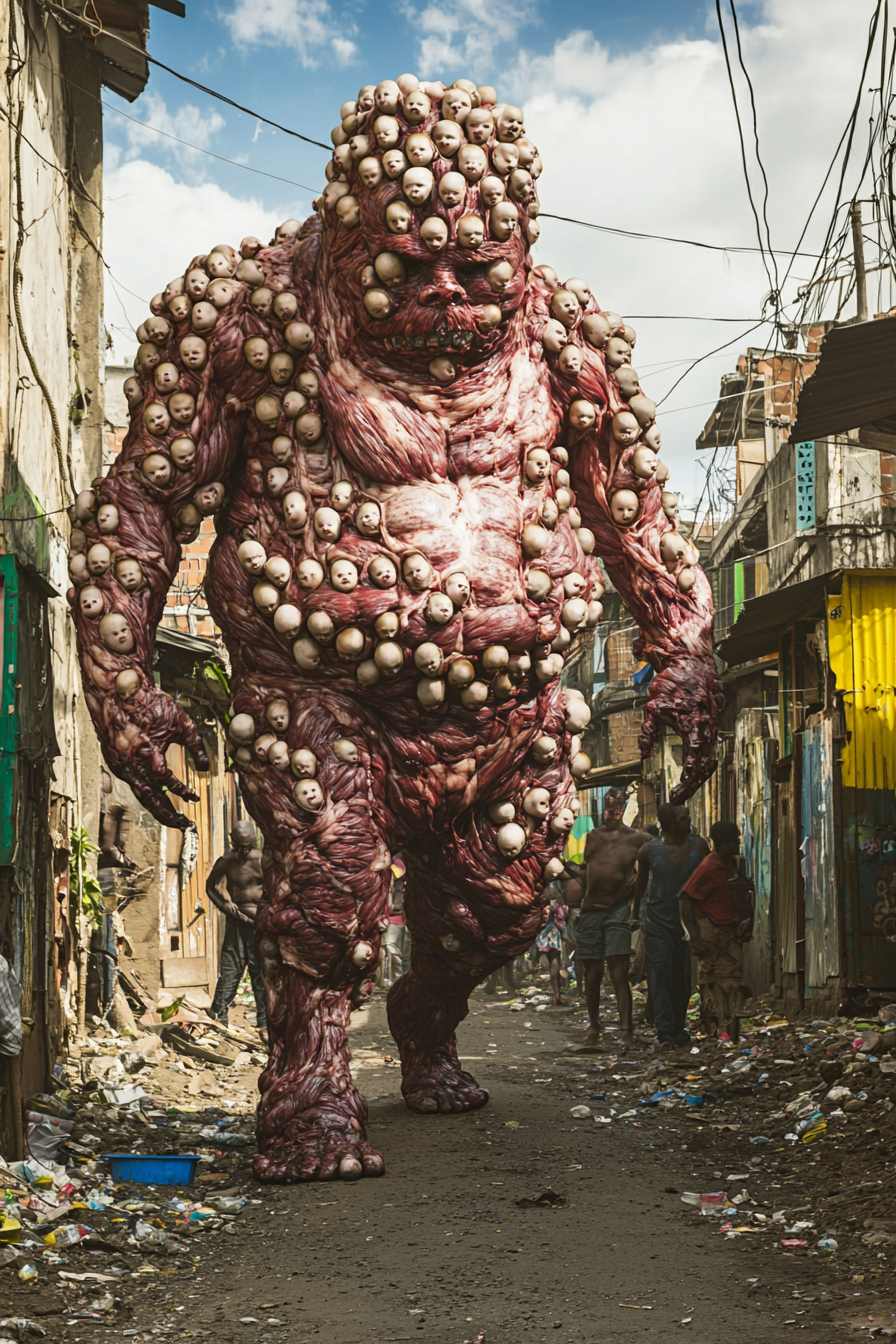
[[240, 870], [603, 932]]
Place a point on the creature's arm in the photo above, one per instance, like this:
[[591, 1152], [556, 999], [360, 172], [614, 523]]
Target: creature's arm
[[612, 437], [173, 469]]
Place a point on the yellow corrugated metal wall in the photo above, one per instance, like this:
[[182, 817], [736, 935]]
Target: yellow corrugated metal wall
[[862, 650]]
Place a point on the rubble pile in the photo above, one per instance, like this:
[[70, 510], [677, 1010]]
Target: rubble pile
[[75, 1231]]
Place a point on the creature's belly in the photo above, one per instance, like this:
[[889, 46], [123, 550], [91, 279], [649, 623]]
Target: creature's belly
[[472, 526]]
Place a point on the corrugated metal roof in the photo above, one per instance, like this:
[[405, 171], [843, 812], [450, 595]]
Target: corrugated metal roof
[[862, 653], [853, 384], [763, 620]]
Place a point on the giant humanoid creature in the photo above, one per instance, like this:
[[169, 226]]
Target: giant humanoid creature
[[414, 443]]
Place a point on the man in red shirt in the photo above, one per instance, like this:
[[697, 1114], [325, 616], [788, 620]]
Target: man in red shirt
[[717, 910]]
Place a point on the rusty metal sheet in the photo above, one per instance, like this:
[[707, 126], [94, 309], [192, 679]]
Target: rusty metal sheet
[[862, 652], [819, 858], [869, 886], [853, 383]]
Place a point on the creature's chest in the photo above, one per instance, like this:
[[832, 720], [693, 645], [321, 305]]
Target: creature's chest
[[391, 438]]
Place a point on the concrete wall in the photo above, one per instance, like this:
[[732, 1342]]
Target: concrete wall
[[51, 416]]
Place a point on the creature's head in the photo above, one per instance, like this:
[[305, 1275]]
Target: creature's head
[[426, 223]]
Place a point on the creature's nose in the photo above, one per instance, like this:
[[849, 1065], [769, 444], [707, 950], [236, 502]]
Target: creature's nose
[[445, 291]]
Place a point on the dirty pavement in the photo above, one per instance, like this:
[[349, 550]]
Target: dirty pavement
[[601, 1195]]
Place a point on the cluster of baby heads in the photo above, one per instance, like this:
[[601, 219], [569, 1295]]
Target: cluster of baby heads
[[576, 331], [424, 171], [102, 571], [172, 359], [545, 808]]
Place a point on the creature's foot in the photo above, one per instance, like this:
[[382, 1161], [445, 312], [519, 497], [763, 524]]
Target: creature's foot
[[435, 1082], [318, 1147]]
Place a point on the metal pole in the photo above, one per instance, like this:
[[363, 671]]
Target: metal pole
[[858, 247]]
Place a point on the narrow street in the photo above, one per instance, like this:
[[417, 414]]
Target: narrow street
[[442, 1249]]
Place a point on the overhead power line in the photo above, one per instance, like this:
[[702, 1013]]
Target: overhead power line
[[189, 145], [665, 238], [743, 149], [97, 30]]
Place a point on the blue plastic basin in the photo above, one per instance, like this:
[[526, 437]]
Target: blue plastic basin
[[153, 1170]]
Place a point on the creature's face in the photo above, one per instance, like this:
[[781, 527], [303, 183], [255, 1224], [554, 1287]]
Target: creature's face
[[432, 198]]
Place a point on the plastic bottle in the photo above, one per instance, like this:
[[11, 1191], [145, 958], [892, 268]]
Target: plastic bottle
[[153, 1236], [65, 1236]]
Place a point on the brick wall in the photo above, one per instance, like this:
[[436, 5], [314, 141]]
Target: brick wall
[[623, 729]]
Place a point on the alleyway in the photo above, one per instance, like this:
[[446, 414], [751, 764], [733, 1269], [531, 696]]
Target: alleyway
[[441, 1250]]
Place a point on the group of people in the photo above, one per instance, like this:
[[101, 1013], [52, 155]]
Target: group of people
[[685, 899]]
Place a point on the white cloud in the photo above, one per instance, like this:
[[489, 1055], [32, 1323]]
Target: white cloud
[[309, 27], [186, 123], [458, 38], [154, 225], [646, 140]]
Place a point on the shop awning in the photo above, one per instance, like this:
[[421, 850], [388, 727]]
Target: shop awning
[[853, 384], [763, 620]]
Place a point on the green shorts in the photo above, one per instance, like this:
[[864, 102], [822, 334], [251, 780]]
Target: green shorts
[[604, 933]]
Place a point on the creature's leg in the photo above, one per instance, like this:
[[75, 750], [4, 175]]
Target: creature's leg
[[230, 972], [465, 920], [326, 882]]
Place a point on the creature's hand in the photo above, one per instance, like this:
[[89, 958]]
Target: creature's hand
[[135, 734], [687, 696]]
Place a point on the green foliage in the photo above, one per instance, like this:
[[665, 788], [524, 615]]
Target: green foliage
[[91, 893], [211, 670], [165, 1013]]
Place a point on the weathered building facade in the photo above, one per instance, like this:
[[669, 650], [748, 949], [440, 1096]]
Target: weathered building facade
[[52, 346]]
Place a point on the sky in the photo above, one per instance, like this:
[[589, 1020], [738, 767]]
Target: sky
[[631, 110]]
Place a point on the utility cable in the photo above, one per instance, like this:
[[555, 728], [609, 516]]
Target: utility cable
[[765, 191], [734, 340], [664, 238], [220, 157], [66, 16], [743, 148]]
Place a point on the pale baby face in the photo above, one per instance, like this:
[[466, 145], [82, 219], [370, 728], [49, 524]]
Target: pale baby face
[[116, 634]]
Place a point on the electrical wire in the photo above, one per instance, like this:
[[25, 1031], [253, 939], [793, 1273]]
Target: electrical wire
[[220, 157], [761, 165], [665, 238], [66, 16], [734, 340], [743, 149]]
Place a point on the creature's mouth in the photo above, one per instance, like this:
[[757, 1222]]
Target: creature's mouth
[[436, 340]]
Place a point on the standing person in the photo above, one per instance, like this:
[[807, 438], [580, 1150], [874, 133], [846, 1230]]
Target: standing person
[[240, 871], [717, 909], [397, 939], [550, 942], [603, 933], [571, 885], [664, 866]]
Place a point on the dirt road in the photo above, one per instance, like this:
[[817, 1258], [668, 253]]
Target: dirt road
[[439, 1249]]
